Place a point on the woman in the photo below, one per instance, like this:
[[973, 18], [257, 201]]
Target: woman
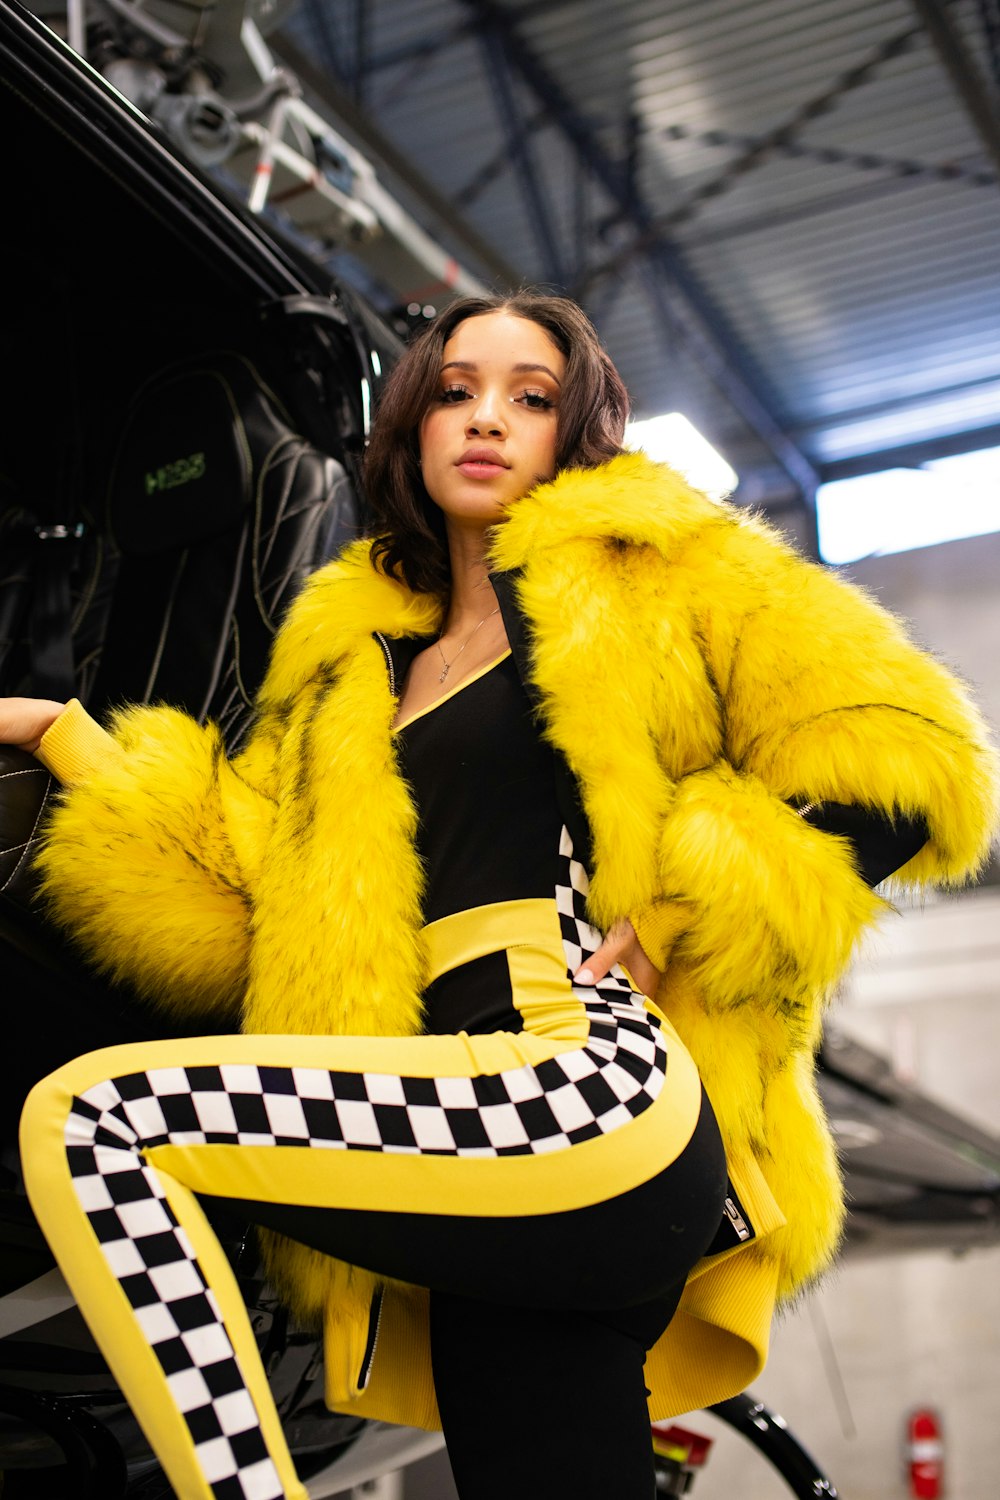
[[560, 688]]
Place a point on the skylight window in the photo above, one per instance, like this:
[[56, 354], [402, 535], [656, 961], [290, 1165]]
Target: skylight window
[[897, 510]]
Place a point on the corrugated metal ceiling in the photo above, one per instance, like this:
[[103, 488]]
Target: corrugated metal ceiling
[[763, 202]]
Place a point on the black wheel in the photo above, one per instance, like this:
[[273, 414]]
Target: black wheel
[[769, 1434]]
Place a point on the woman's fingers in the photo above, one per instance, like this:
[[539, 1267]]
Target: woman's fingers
[[608, 954], [23, 721], [620, 946]]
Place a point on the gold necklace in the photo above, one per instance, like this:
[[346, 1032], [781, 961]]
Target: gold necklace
[[449, 664]]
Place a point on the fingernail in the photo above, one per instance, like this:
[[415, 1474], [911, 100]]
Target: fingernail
[[584, 976]]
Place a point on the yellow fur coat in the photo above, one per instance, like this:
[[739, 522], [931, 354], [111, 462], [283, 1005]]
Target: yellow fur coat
[[697, 676]]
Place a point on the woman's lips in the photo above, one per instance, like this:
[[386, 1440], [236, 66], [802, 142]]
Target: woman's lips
[[477, 468]]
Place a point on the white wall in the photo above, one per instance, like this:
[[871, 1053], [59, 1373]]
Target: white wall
[[920, 1330], [952, 596]]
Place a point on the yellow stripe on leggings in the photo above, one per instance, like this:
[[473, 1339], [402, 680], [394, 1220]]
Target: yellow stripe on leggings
[[467, 935]]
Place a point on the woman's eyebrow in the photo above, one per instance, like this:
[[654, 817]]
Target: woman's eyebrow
[[528, 368], [519, 369]]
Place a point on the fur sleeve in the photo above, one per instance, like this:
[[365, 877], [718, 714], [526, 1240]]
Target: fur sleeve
[[771, 906], [823, 698], [150, 860], [826, 699]]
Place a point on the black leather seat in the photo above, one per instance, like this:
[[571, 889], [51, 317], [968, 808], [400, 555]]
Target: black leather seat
[[216, 510]]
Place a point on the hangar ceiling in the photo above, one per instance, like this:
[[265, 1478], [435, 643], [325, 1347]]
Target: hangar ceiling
[[783, 217]]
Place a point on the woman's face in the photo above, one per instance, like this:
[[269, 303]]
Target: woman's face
[[489, 435]]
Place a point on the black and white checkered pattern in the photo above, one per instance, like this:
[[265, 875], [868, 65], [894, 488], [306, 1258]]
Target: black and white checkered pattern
[[569, 1098], [580, 939], [151, 1256]]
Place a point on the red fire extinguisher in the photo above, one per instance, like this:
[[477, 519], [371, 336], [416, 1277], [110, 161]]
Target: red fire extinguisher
[[925, 1454]]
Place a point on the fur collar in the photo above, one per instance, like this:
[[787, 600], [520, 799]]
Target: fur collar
[[630, 499], [340, 607]]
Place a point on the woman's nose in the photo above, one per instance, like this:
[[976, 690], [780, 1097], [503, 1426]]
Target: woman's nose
[[486, 417]]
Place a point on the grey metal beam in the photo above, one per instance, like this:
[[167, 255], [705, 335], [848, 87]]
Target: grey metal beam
[[891, 404], [911, 455], [692, 312], [488, 171], [420, 48], [324, 22], [414, 62], [520, 151], [676, 317], [963, 71], [362, 35], [760, 149], [830, 203], [581, 220], [989, 14], [836, 156], [604, 299], [360, 127]]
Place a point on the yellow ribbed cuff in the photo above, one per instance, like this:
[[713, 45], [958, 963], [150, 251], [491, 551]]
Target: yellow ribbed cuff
[[658, 926], [75, 747]]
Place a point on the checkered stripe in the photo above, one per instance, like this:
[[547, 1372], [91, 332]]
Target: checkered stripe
[[529, 1110], [580, 939], [152, 1258]]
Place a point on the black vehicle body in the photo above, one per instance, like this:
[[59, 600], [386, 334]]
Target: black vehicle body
[[154, 332], [186, 402]]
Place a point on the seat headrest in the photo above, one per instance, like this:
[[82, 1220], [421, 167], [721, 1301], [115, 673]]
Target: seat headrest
[[184, 470]]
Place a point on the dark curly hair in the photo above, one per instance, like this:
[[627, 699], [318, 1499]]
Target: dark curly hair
[[408, 527]]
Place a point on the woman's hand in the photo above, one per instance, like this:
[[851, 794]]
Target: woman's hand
[[621, 946], [23, 721]]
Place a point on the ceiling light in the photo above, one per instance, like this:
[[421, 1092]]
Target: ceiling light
[[673, 440]]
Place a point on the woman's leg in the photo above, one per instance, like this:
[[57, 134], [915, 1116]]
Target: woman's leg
[[149, 1274], [508, 1128], [544, 1403]]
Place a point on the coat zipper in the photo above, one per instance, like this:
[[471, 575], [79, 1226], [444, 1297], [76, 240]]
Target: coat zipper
[[737, 1220], [388, 660], [374, 1327]]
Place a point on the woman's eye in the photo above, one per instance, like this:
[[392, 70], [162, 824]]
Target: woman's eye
[[538, 400], [454, 393]]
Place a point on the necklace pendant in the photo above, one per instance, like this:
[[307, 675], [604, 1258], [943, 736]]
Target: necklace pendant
[[447, 669]]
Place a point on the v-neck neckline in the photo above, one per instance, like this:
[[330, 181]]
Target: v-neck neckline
[[452, 692]]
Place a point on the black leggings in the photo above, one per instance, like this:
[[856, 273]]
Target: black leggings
[[540, 1404]]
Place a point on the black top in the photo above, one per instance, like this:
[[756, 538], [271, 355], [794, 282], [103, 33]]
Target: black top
[[484, 784], [483, 780]]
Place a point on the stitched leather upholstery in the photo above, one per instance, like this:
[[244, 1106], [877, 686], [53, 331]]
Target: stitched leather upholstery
[[217, 509], [25, 786]]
